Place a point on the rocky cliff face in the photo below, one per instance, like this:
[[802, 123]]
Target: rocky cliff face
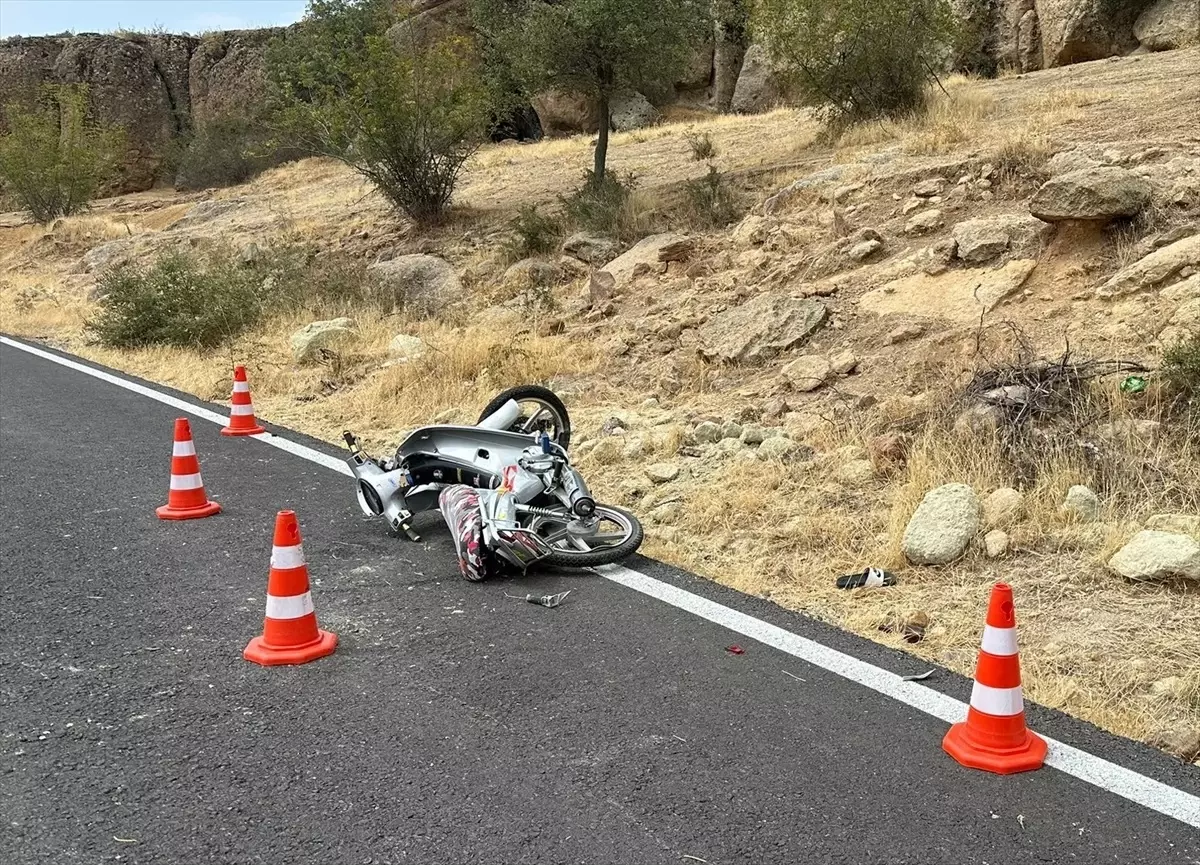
[[156, 87]]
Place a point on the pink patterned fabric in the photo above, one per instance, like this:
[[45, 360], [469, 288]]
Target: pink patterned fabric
[[459, 506]]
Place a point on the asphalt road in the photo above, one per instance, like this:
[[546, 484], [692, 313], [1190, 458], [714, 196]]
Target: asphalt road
[[453, 724]]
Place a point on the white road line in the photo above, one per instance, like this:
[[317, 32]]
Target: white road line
[[1116, 779]]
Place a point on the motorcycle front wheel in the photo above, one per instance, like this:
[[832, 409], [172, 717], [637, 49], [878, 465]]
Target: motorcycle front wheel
[[541, 411], [616, 535]]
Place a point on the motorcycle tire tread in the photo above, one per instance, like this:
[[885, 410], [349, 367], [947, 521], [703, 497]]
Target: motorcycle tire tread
[[533, 391], [606, 556]]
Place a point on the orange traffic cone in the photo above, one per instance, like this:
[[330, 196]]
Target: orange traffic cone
[[186, 499], [241, 414], [994, 736], [290, 633]]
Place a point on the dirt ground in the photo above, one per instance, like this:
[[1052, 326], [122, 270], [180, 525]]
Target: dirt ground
[[1123, 655]]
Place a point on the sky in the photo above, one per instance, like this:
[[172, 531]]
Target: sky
[[41, 17]]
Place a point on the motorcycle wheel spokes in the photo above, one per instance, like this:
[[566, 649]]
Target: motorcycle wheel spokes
[[616, 535]]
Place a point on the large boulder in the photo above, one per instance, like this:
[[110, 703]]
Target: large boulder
[[1018, 37], [761, 328], [421, 284], [728, 55], [758, 87], [563, 113], [1168, 24], [943, 526], [1154, 555], [987, 237], [227, 73], [1074, 31], [310, 341], [1091, 194], [1154, 269], [632, 111]]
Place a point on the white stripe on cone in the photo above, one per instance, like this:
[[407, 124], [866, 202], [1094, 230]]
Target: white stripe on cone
[[999, 641], [184, 449], [290, 607], [997, 701], [241, 387], [186, 482], [287, 557], [241, 409]]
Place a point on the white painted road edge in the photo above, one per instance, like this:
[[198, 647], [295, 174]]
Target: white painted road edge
[[1116, 779]]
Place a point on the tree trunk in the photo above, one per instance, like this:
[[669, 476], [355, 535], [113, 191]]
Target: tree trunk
[[602, 141]]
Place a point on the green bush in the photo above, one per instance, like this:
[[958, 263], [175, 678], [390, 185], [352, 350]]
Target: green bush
[[857, 60], [701, 145], [534, 233], [1181, 368], [712, 202], [228, 150], [597, 205], [403, 109], [193, 299], [53, 160]]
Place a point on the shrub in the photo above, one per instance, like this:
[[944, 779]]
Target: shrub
[[856, 60], [53, 160], [597, 205], [1181, 368], [534, 233], [713, 203], [406, 114], [202, 300], [702, 146], [228, 150]]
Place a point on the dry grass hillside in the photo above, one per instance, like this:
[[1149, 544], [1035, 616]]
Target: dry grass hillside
[[777, 476]]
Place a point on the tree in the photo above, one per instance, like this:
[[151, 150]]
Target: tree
[[53, 159], [856, 60], [404, 109], [595, 47]]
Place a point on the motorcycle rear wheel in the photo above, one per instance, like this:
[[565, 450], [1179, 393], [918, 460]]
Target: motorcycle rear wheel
[[539, 406], [578, 553]]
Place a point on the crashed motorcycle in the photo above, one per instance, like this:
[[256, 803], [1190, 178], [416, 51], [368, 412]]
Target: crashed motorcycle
[[505, 487]]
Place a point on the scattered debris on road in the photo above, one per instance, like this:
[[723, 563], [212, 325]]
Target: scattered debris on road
[[735, 650], [543, 600], [918, 677], [794, 676], [870, 578]]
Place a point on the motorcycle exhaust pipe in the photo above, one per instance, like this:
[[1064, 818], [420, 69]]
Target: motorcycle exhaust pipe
[[503, 417]]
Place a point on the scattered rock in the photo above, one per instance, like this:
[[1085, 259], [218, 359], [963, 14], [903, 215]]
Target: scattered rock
[[644, 253], [1082, 503], [929, 188], [1002, 507], [808, 372], [856, 472], [935, 258], [978, 420], [754, 435], [405, 347], [661, 473], [1181, 741], [904, 333], [995, 543], [844, 362], [707, 432], [864, 250], [309, 341], [1155, 269], [1066, 161], [923, 223], [1092, 194], [1155, 555], [988, 237], [1182, 524], [761, 328], [731, 430], [752, 230], [887, 449], [777, 448], [943, 525], [420, 284], [608, 450], [600, 287], [590, 248], [911, 625], [958, 295], [532, 272]]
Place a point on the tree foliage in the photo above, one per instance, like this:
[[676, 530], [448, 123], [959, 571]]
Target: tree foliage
[[404, 109], [53, 159], [594, 47], [857, 60]]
